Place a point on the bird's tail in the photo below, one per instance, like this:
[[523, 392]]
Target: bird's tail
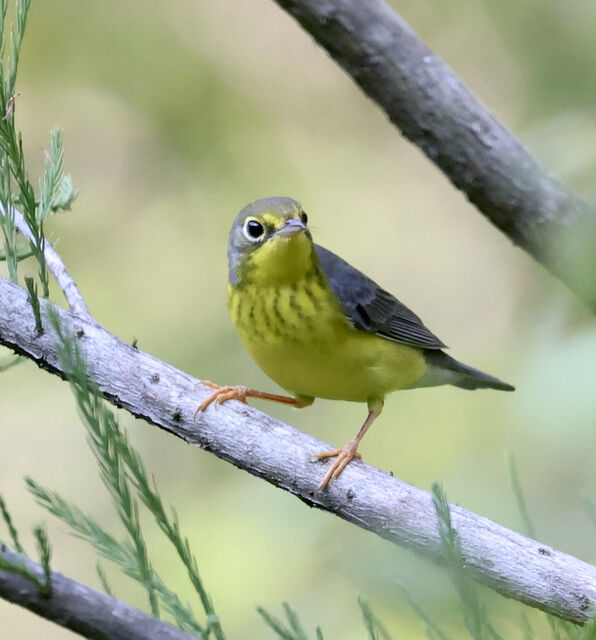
[[461, 375]]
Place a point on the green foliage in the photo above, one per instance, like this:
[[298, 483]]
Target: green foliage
[[14, 536], [376, 629], [103, 579], [473, 609], [17, 566], [45, 553], [474, 612], [10, 252], [560, 629], [19, 255], [34, 302], [56, 191], [294, 631], [10, 59], [123, 554], [20, 569], [124, 475], [11, 144]]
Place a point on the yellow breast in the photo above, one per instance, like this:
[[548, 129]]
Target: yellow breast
[[298, 334]]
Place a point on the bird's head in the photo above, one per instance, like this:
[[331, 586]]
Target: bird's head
[[270, 244]]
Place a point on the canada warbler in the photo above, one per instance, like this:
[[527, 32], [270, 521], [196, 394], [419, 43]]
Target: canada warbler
[[322, 329]]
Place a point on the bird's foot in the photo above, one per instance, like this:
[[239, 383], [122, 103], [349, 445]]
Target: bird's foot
[[344, 455], [221, 394], [240, 392]]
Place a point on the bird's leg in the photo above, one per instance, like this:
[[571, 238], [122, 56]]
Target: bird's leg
[[240, 392], [347, 453]]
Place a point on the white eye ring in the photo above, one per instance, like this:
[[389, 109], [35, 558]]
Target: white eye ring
[[253, 230]]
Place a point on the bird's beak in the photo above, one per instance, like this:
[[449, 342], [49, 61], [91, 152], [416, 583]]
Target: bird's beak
[[290, 227]]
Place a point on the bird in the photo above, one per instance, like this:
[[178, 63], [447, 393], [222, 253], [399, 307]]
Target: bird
[[320, 328]]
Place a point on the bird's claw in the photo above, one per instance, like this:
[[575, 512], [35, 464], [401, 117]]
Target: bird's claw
[[221, 394], [344, 456]]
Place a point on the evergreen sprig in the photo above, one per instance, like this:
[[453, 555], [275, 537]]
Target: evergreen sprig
[[124, 475], [376, 629], [101, 431], [12, 531], [34, 302], [10, 252], [11, 144], [475, 617], [53, 193], [294, 631], [20, 255], [45, 553], [103, 578], [170, 525], [11, 59], [18, 567], [123, 554], [560, 629], [56, 191]]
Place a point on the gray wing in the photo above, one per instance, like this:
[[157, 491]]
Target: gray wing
[[370, 308]]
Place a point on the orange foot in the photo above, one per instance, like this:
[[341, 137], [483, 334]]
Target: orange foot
[[344, 455], [221, 394], [238, 392]]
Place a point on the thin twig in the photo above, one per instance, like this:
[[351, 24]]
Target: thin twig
[[57, 267], [80, 608], [508, 562]]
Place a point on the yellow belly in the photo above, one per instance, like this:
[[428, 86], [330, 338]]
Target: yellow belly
[[300, 338]]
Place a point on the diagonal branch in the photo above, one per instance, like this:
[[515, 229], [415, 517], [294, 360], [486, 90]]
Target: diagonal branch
[[510, 563], [436, 111], [56, 265], [80, 608]]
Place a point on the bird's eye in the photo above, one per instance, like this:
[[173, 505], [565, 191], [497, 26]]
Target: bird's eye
[[253, 229], [303, 218]]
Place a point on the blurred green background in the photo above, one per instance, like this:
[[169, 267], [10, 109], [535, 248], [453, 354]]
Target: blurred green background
[[176, 114]]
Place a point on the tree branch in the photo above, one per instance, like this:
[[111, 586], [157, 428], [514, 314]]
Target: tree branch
[[81, 609], [513, 565], [56, 265], [436, 111]]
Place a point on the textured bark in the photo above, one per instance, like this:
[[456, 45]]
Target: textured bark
[[81, 609], [435, 110], [513, 565]]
